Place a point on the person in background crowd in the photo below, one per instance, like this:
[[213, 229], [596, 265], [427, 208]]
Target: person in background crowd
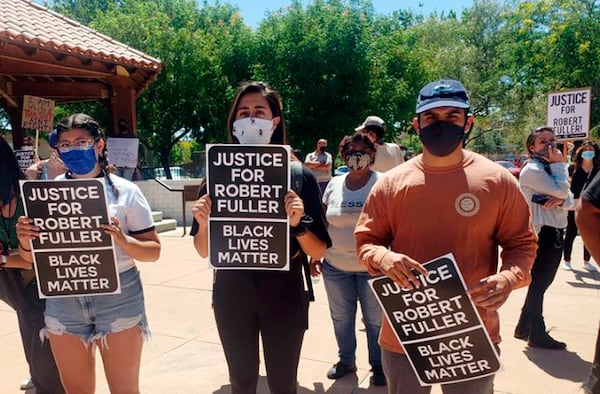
[[320, 162], [18, 287], [587, 218], [48, 168], [544, 181], [585, 168], [428, 207], [272, 305], [346, 281], [116, 323], [389, 155], [124, 132]]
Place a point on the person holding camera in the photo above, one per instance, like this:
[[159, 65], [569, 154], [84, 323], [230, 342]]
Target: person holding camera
[[544, 181]]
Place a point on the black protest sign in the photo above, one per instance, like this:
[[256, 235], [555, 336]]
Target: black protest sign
[[76, 272], [248, 181], [25, 157], [438, 325], [248, 244], [69, 214], [248, 224]]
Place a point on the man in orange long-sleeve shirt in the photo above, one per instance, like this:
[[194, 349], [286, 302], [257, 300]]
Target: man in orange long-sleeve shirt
[[446, 200]]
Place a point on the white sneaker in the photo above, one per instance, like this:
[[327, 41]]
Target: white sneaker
[[567, 265], [590, 267]]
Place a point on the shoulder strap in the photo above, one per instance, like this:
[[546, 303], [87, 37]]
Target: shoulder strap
[[297, 184], [297, 176]]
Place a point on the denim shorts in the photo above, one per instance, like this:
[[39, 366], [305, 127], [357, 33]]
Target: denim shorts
[[94, 317]]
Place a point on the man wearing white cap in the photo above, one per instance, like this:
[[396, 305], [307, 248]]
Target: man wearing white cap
[[388, 155]]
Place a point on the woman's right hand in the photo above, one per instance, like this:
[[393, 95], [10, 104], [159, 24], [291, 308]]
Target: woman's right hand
[[201, 210], [26, 230]]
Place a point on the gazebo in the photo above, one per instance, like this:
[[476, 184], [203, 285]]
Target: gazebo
[[45, 54]]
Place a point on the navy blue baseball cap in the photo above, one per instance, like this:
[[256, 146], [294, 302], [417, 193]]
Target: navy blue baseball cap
[[442, 93]]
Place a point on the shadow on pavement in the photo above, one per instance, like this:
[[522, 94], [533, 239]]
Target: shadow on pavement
[[561, 364]]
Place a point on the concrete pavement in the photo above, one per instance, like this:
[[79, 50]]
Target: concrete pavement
[[185, 355]]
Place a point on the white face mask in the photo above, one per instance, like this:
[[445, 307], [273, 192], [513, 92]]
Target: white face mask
[[253, 130]]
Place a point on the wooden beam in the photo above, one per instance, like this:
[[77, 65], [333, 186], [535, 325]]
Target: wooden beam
[[5, 91], [29, 67], [61, 90]]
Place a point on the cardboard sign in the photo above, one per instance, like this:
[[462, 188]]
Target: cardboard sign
[[569, 113], [438, 325], [38, 113], [248, 224], [25, 157], [72, 255], [123, 152]]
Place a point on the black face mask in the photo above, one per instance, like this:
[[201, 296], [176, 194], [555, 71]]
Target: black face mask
[[323, 149], [442, 138]]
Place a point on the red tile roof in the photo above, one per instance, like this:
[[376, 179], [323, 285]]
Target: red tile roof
[[37, 26]]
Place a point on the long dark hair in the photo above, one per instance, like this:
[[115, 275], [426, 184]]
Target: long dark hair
[[275, 105], [578, 159], [87, 123], [10, 173]]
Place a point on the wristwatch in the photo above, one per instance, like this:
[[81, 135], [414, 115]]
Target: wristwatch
[[302, 228]]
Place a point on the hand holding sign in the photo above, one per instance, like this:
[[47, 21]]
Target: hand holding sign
[[26, 230], [294, 206], [399, 268], [201, 210], [115, 231]]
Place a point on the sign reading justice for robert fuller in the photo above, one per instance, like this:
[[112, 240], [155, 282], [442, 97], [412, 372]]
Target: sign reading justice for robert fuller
[[438, 325], [248, 224], [73, 256]]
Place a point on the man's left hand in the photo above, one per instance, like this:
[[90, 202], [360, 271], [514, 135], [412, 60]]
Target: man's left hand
[[491, 292]]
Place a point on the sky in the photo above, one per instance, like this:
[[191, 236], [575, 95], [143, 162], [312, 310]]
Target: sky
[[254, 11]]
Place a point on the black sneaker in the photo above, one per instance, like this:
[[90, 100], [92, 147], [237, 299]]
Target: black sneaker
[[547, 342], [378, 378], [340, 369]]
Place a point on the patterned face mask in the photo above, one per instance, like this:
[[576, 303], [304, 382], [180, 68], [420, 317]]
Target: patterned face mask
[[358, 160], [253, 130]]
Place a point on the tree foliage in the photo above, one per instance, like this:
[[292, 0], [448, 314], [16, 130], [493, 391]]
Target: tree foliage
[[337, 61]]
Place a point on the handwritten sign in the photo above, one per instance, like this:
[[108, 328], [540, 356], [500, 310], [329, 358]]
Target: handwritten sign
[[38, 113], [72, 255], [569, 113], [248, 225], [123, 152], [438, 325]]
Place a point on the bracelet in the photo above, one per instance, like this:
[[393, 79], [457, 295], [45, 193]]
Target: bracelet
[[23, 249], [302, 227]]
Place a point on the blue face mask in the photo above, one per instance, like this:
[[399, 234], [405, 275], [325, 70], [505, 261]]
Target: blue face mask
[[80, 161], [588, 155]]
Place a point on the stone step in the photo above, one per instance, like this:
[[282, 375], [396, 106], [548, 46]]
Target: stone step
[[165, 225], [157, 216]]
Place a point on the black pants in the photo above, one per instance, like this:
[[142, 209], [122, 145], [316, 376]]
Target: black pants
[[570, 237], [30, 315], [547, 260], [272, 304]]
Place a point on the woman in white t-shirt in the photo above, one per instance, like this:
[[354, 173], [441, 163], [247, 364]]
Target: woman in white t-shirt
[[116, 323], [346, 281]]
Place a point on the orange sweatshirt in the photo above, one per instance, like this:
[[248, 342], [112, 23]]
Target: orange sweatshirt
[[468, 209]]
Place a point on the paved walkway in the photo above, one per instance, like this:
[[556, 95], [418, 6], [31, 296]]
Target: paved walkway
[[185, 356]]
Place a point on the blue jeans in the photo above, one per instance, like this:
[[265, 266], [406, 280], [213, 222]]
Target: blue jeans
[[344, 289]]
